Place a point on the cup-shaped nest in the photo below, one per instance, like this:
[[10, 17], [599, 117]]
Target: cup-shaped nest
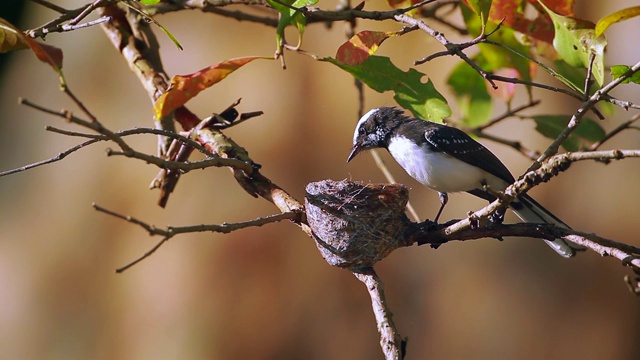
[[356, 225]]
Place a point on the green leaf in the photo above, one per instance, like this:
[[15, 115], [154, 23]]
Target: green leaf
[[587, 133], [421, 98], [618, 16], [481, 8], [571, 76], [619, 70], [149, 2], [290, 16], [575, 40], [471, 92]]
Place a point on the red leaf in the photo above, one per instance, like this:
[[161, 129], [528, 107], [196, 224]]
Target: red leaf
[[540, 28], [185, 87], [46, 53], [360, 47]]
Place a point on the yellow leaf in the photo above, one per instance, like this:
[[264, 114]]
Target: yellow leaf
[[618, 16]]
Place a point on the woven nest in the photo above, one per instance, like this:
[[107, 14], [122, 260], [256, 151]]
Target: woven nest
[[356, 225]]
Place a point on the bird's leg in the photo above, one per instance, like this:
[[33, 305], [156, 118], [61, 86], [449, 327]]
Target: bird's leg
[[444, 198]]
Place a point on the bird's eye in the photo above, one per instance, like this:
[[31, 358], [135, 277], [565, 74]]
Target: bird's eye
[[361, 130]]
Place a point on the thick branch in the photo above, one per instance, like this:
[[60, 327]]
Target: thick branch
[[147, 66]]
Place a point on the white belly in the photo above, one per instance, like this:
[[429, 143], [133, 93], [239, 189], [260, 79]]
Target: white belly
[[440, 171]]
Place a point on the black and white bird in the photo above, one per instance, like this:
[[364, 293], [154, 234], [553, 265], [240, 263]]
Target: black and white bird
[[446, 159]]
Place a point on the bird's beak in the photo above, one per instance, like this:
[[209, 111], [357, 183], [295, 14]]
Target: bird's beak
[[356, 149]]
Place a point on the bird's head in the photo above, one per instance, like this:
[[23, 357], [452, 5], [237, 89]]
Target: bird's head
[[374, 129]]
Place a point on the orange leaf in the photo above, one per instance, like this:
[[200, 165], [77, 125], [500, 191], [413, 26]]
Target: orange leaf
[[360, 47], [185, 87]]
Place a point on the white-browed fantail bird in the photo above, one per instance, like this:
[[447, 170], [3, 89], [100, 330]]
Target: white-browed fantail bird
[[446, 159]]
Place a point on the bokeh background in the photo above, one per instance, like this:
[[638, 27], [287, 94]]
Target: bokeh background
[[265, 293]]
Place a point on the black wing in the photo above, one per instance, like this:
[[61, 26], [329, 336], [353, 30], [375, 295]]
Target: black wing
[[458, 144]]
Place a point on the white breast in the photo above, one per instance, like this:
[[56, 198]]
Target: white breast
[[440, 171]]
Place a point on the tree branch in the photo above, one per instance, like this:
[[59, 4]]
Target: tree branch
[[577, 117], [549, 169], [393, 346]]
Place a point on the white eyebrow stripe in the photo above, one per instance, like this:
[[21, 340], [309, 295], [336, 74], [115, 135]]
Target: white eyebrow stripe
[[364, 118]]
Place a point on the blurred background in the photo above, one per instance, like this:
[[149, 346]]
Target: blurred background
[[265, 293]]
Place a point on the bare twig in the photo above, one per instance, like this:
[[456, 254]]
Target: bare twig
[[56, 158], [390, 178], [68, 27], [588, 80], [508, 114], [625, 104], [625, 125], [512, 80], [88, 10], [127, 151], [516, 145], [72, 17], [51, 6], [172, 231]]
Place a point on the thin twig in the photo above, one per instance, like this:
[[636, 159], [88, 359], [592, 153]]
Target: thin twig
[[171, 231], [79, 103], [51, 6], [84, 13], [512, 80], [625, 125], [588, 80], [453, 49], [625, 104], [127, 151], [97, 138], [72, 16], [390, 178], [516, 145], [508, 114], [56, 158]]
